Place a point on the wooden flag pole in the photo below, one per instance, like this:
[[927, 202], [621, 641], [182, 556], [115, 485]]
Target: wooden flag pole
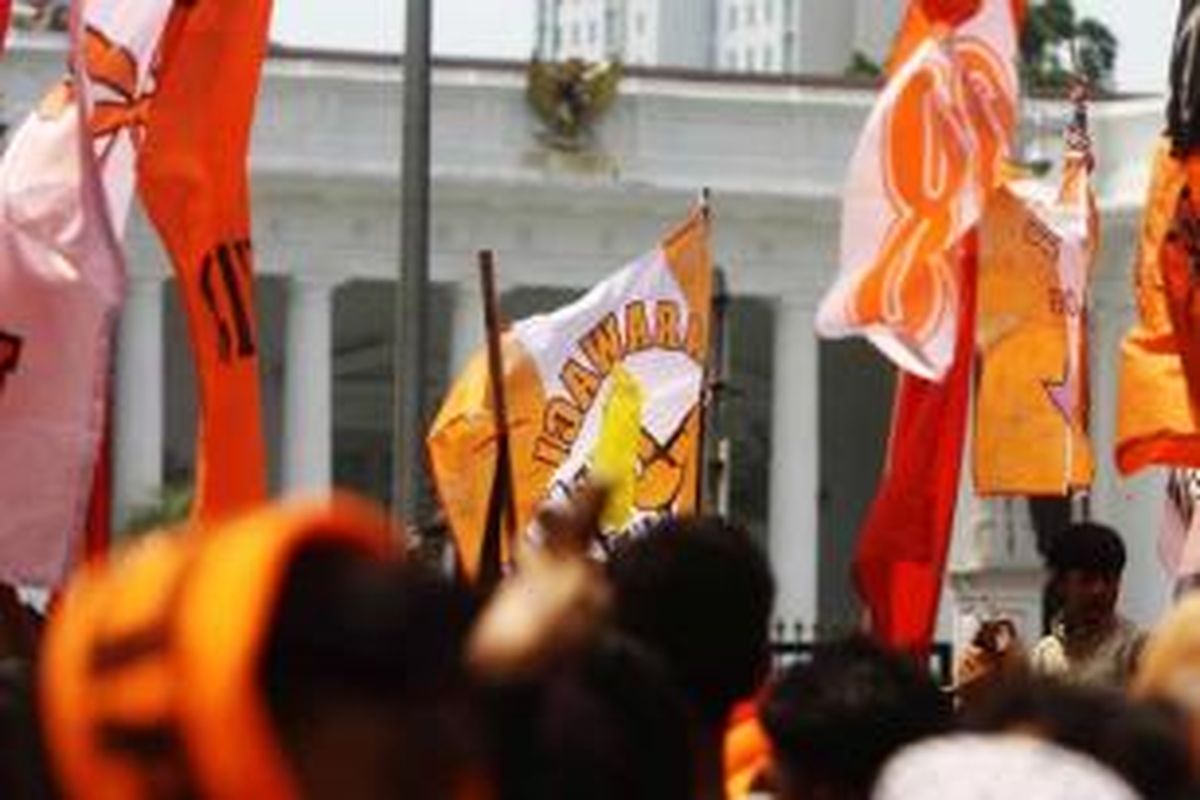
[[502, 504]]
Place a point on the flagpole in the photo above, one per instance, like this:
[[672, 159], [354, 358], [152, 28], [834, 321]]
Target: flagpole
[[413, 286], [503, 499]]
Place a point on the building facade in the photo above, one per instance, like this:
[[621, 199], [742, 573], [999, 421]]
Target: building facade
[[808, 418], [764, 36]]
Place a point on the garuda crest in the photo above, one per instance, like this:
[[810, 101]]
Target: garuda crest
[[570, 96]]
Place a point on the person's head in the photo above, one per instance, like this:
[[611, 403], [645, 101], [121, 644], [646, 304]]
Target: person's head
[[363, 676], [1169, 668], [974, 767], [603, 723], [1086, 560], [835, 720], [698, 592], [282, 653], [1145, 743]]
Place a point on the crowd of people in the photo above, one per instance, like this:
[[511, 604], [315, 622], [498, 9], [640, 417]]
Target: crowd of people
[[298, 652]]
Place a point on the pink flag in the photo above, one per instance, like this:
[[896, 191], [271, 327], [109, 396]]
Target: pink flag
[[65, 187]]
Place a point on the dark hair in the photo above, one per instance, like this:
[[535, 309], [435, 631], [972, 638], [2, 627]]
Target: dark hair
[[350, 633], [24, 764], [1089, 547], [836, 719], [605, 724], [1145, 743], [698, 592]]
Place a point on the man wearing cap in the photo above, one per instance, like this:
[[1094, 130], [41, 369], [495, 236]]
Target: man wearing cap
[[1089, 642]]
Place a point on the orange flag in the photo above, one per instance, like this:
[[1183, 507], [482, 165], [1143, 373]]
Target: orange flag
[[1038, 243], [926, 161], [1156, 415], [1155, 424], [192, 177]]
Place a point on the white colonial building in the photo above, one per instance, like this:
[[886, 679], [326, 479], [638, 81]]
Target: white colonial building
[[770, 36], [809, 418]]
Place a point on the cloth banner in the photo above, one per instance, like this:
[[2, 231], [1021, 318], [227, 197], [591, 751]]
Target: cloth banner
[[1156, 415], [193, 180], [65, 188], [1038, 246], [928, 158], [901, 554], [648, 322]]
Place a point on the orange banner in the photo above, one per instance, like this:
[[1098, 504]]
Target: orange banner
[[928, 158], [1155, 420], [192, 177], [1038, 245]]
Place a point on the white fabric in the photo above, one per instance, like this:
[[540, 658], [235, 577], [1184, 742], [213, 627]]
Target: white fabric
[[971, 767]]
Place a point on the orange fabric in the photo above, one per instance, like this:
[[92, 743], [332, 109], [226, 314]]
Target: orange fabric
[[192, 177], [923, 15], [462, 448], [1031, 399], [1155, 420], [1177, 259], [747, 751], [929, 156], [149, 675]]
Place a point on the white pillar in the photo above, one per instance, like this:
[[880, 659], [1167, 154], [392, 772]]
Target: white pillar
[[308, 386], [1132, 505], [466, 332], [138, 415], [795, 425]]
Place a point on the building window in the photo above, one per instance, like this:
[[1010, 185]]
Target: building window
[[787, 10], [731, 59], [592, 32], [768, 11], [639, 23], [789, 51], [768, 59], [749, 59], [750, 12], [733, 17], [575, 34]]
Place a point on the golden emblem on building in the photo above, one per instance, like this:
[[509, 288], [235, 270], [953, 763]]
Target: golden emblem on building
[[570, 96]]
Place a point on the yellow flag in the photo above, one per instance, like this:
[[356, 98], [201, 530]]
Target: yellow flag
[[614, 459]]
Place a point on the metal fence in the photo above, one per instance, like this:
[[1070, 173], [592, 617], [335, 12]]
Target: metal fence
[[795, 643]]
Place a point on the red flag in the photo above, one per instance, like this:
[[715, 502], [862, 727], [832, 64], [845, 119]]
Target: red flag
[[192, 177], [902, 549], [5, 17], [97, 532]]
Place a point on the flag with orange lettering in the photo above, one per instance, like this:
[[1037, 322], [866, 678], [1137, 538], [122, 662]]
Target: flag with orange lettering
[[1038, 244], [65, 186], [1156, 410], [193, 181], [644, 329], [926, 162]]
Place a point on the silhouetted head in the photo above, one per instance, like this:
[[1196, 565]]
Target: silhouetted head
[[835, 720], [698, 592]]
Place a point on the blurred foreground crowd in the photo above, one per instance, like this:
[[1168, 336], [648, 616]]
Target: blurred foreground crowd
[[297, 652]]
